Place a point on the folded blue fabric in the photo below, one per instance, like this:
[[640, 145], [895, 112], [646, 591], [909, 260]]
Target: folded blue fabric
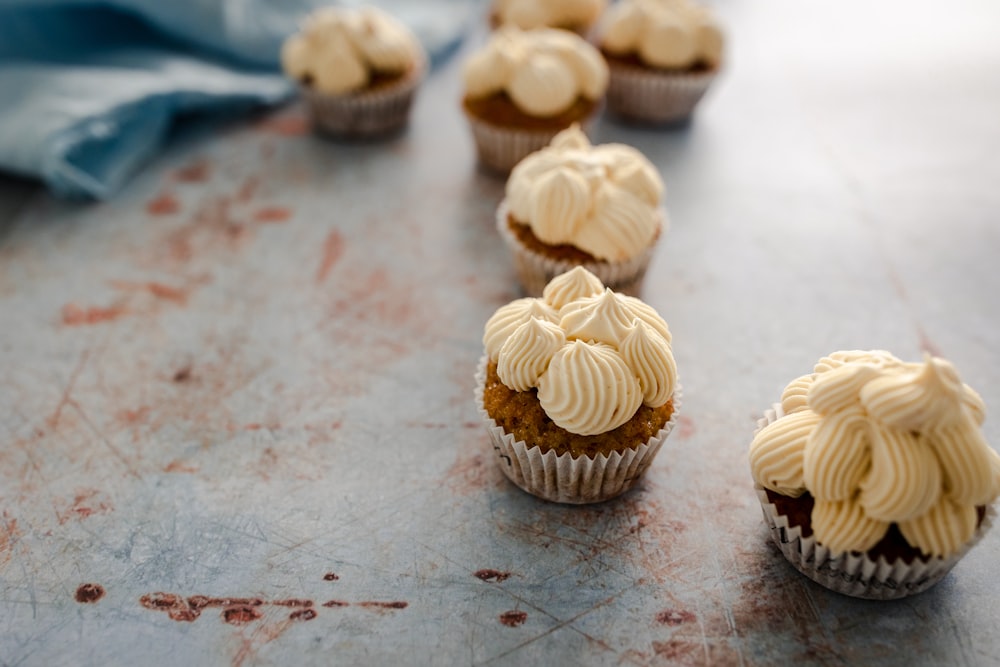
[[88, 89]]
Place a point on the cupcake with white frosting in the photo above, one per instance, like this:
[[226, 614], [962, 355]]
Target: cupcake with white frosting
[[874, 475], [575, 15], [525, 86], [663, 56], [576, 204], [578, 389], [358, 69]]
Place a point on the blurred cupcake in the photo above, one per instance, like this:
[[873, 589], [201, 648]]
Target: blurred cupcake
[[874, 475], [574, 204], [524, 87], [578, 389], [663, 55], [575, 15], [359, 70]]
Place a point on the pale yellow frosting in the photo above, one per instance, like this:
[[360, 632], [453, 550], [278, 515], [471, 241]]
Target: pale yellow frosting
[[338, 49], [877, 441], [527, 14], [672, 34], [605, 200], [595, 356], [543, 71]]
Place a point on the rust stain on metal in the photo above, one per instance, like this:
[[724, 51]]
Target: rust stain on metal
[[196, 172], [286, 125], [74, 315], [333, 248], [248, 189], [491, 575], [240, 614], [89, 593], [293, 602], [165, 203], [686, 427], [183, 374], [374, 604], [330, 576], [9, 535], [513, 618], [302, 615], [675, 617], [85, 503], [336, 603]]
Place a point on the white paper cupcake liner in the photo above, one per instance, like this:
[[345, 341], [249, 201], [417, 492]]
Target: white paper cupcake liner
[[500, 148], [561, 478], [535, 270], [655, 97], [368, 113], [852, 573]]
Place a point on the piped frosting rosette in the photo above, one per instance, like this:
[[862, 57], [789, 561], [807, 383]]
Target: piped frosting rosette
[[605, 200], [577, 15], [594, 356], [876, 442], [543, 72], [337, 56]]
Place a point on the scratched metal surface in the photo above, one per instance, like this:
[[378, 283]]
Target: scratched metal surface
[[250, 377]]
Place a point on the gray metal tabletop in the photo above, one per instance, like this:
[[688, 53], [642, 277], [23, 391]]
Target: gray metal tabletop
[[247, 380]]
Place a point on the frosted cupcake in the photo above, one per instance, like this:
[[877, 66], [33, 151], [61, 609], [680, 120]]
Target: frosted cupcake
[[578, 389], [575, 15], [359, 70], [663, 55], [524, 87], [874, 475], [575, 204]]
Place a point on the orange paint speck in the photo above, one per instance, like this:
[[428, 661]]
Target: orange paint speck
[[74, 315], [272, 214], [163, 204]]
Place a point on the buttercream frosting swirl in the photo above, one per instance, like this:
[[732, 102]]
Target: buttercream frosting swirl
[[543, 71], [593, 355], [877, 441], [672, 34], [527, 14], [604, 199], [338, 49]]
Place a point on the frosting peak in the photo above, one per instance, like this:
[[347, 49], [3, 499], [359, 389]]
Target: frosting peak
[[543, 71], [664, 33], [594, 364], [528, 14], [604, 200], [877, 441], [338, 49]]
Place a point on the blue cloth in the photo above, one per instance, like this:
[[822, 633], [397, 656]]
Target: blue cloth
[[89, 89]]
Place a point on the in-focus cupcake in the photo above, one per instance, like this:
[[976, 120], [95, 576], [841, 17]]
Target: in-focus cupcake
[[524, 87], [575, 15], [578, 389], [874, 475], [359, 70], [574, 204], [663, 55]]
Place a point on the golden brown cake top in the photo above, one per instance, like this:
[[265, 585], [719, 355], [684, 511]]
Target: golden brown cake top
[[670, 34], [593, 355], [877, 441], [340, 50], [543, 71]]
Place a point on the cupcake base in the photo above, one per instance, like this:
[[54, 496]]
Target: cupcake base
[[366, 114], [561, 478], [649, 96], [535, 270], [856, 574]]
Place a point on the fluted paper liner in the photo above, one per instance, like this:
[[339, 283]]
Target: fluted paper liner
[[501, 148], [854, 573], [655, 96], [561, 478], [368, 113], [535, 270]]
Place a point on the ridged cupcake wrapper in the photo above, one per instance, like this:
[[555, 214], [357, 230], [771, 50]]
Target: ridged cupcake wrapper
[[561, 478], [655, 97], [500, 148], [369, 113], [535, 270], [856, 574]]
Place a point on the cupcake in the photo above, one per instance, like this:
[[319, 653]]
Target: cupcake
[[524, 87], [578, 389], [874, 475], [358, 69], [574, 204], [663, 55], [575, 15]]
